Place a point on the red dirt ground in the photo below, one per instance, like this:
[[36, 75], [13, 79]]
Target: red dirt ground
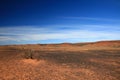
[[60, 62]]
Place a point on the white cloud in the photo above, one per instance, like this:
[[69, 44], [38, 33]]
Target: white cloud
[[4, 38], [74, 34], [36, 33]]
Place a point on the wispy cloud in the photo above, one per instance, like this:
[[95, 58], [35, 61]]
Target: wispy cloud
[[29, 34], [93, 18]]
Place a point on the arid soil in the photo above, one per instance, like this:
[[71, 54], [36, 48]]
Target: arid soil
[[90, 61]]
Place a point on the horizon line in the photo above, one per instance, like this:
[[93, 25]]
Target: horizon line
[[60, 42]]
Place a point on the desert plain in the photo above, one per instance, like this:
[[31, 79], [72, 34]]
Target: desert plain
[[66, 61]]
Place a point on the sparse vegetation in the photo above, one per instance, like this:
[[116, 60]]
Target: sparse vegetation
[[28, 54], [60, 63]]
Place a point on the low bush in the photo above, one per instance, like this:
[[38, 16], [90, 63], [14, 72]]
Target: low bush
[[28, 54]]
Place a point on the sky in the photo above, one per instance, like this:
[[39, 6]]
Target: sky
[[58, 21]]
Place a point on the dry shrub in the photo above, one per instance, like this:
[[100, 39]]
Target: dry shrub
[[28, 54]]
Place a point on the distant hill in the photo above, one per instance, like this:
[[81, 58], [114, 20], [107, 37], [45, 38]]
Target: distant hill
[[104, 44], [71, 46]]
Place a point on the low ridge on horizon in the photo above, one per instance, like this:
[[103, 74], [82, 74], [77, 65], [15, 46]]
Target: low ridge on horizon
[[68, 43]]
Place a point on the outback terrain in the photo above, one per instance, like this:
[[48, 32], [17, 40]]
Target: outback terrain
[[66, 61]]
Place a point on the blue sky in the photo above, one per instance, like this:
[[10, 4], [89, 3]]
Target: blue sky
[[58, 21]]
